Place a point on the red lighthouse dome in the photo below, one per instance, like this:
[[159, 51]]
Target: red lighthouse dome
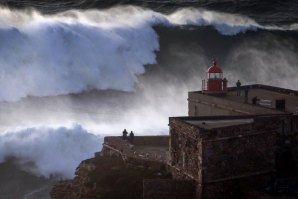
[[215, 83], [214, 68]]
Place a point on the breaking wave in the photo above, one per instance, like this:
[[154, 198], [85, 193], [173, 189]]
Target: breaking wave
[[75, 51]]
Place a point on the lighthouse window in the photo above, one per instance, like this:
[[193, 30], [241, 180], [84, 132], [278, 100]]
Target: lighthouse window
[[214, 75]]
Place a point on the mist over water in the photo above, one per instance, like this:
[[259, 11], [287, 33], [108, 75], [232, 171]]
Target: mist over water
[[69, 78], [55, 151], [64, 53]]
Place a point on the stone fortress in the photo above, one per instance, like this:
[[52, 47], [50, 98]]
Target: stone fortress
[[237, 142]]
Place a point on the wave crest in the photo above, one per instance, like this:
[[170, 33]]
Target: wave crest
[[74, 51]]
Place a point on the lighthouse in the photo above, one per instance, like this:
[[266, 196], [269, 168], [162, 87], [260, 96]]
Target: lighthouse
[[215, 84]]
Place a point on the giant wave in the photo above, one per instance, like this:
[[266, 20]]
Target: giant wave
[[75, 51]]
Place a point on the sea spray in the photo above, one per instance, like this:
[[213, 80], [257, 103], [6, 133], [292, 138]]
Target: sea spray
[[53, 151], [75, 51]]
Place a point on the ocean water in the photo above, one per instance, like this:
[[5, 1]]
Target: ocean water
[[72, 72]]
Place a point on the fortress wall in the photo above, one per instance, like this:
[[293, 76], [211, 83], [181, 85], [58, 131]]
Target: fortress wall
[[204, 105], [158, 140], [231, 160], [108, 152], [234, 189], [185, 149], [239, 156], [294, 143], [149, 164]]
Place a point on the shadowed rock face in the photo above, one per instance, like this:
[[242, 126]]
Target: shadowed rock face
[[17, 183], [105, 178]]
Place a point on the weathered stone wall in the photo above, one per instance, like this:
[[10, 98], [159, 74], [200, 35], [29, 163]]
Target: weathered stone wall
[[240, 151], [168, 189], [139, 155], [185, 149], [148, 164], [108, 152], [241, 156], [294, 146], [234, 189], [202, 105], [158, 140], [220, 158]]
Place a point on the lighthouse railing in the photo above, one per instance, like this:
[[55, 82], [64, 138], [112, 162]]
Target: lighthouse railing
[[204, 85]]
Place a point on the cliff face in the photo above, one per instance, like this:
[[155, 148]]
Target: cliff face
[[140, 172], [79, 187], [105, 177]]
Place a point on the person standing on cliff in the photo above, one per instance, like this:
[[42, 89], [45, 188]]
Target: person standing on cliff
[[131, 137], [238, 84], [124, 134]]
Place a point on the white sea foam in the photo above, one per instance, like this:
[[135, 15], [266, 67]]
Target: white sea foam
[[73, 51], [53, 150], [50, 56], [226, 24]]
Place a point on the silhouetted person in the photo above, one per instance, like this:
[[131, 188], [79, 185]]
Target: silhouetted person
[[238, 84], [124, 134], [131, 136]]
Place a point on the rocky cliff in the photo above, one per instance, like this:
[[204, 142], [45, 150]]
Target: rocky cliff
[[105, 177]]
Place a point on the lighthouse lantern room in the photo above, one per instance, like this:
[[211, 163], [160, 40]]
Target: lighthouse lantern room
[[215, 83]]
